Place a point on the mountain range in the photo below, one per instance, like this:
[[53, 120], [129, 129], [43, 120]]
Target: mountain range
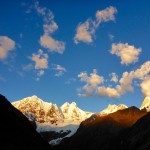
[[52, 122], [70, 128], [56, 123]]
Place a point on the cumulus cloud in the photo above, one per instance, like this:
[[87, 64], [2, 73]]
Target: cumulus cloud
[[41, 63], [86, 90], [126, 81], [107, 91], [6, 45], [105, 15], [59, 70], [128, 53], [93, 85], [40, 73], [49, 27], [93, 79], [53, 45], [85, 31], [40, 59], [145, 86]]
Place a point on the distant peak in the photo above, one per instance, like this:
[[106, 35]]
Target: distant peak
[[112, 105], [34, 96], [113, 108], [122, 105], [66, 104], [146, 103], [148, 98], [73, 103]]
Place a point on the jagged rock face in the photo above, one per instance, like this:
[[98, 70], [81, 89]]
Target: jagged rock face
[[72, 112], [52, 121], [37, 110], [146, 104]]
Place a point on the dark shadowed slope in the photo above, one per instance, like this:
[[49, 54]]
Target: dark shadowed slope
[[136, 137], [16, 132], [102, 132]]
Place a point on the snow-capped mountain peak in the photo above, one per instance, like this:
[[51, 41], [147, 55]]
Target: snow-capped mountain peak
[[36, 109], [113, 108], [146, 104], [72, 112], [45, 112], [49, 117]]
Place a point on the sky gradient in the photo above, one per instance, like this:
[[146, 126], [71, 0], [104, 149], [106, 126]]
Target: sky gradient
[[92, 52]]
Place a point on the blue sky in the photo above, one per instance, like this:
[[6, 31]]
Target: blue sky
[[92, 52]]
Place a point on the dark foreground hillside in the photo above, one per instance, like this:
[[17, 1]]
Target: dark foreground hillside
[[16, 132], [127, 129]]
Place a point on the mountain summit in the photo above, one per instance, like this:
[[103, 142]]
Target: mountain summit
[[52, 122], [146, 104], [72, 112], [113, 108], [36, 109], [56, 123]]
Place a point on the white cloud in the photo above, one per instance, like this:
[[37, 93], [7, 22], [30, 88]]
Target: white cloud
[[93, 85], [145, 86], [107, 91], [93, 79], [40, 10], [142, 72], [105, 15], [40, 59], [41, 72], [6, 45], [53, 45], [49, 27], [114, 77], [127, 78], [126, 81], [59, 70], [41, 63], [85, 31], [127, 53], [86, 90]]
